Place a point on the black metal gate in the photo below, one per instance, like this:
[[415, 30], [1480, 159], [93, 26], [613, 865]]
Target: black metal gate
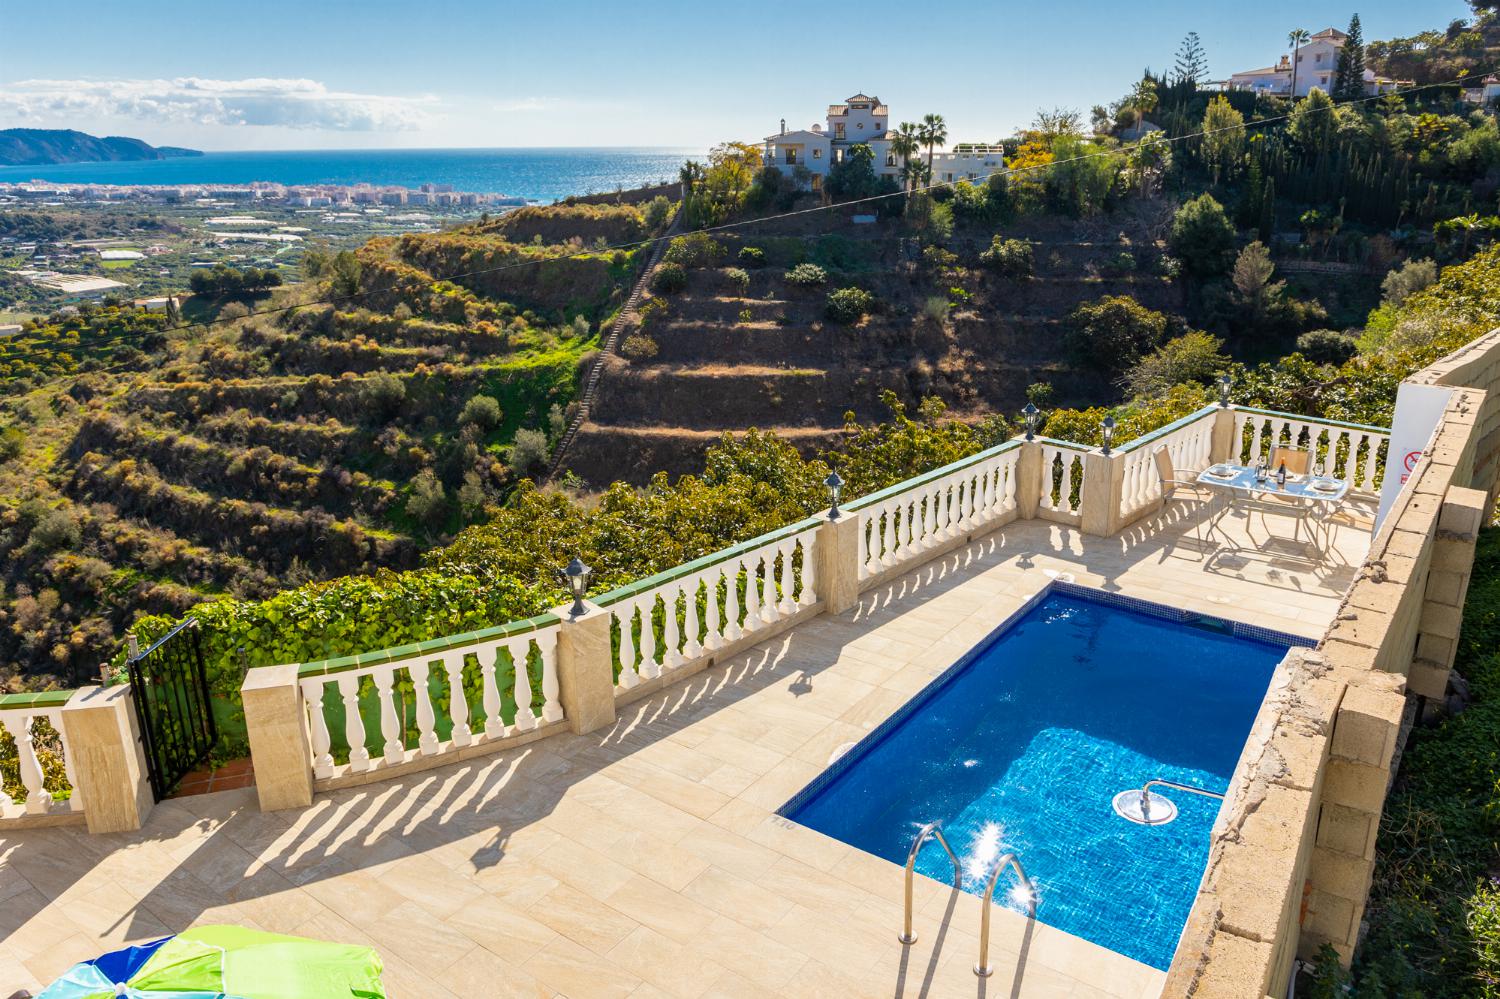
[[170, 687]]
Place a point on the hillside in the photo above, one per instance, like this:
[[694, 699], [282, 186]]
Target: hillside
[[38, 146], [165, 468]]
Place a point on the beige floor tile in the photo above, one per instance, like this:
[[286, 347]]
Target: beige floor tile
[[579, 973], [666, 963]]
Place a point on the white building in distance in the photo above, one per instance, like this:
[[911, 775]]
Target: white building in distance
[[1317, 64], [864, 119]]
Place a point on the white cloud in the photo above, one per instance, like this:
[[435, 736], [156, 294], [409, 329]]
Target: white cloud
[[298, 104], [529, 104]]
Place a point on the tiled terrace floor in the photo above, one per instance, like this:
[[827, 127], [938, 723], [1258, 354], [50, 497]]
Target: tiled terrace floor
[[646, 860]]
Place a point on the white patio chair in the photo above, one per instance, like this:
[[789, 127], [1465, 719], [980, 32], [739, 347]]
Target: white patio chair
[[1172, 482]]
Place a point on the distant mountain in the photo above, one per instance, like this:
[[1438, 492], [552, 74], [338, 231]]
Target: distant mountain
[[37, 146]]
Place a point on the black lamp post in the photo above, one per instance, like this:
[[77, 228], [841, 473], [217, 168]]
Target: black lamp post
[[1033, 419], [835, 486], [576, 578], [1109, 432], [1224, 384]]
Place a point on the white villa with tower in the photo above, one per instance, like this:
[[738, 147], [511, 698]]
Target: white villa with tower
[[865, 119], [1317, 63]]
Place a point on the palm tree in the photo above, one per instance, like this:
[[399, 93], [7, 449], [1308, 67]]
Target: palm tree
[[1142, 99], [905, 143], [1296, 38], [934, 132]]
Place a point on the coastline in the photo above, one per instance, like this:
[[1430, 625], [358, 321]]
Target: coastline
[[534, 174]]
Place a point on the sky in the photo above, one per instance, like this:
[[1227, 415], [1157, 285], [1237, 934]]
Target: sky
[[333, 74]]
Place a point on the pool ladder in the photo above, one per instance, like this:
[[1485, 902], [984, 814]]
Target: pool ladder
[[934, 830]]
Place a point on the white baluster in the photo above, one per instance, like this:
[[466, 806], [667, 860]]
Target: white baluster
[[489, 668], [392, 751], [733, 602], [624, 615], [38, 798], [671, 631], [427, 740], [650, 668], [312, 693], [809, 592], [888, 534], [786, 602], [691, 647], [754, 611], [458, 704], [546, 643], [354, 724], [714, 636], [520, 649]]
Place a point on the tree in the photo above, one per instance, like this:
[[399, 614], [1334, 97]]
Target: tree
[[1048, 125], [1406, 281], [481, 410], [854, 178], [905, 142], [1296, 38], [1223, 138], [1252, 279], [1192, 65], [1202, 237], [1349, 76], [1112, 333], [428, 503], [933, 132], [1142, 99], [1193, 357], [1312, 126]]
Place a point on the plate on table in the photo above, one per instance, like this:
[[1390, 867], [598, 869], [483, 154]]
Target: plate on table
[[1327, 485], [1223, 471]]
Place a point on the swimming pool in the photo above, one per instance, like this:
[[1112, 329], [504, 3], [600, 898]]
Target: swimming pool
[[1023, 744]]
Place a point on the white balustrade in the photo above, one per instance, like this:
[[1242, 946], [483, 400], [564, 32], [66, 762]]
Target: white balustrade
[[714, 601], [1062, 477], [894, 529], [32, 742], [403, 694], [1191, 448], [1347, 451]]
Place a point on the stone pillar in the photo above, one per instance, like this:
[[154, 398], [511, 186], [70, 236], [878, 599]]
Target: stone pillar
[[1029, 480], [837, 548], [1358, 773], [1222, 447], [1459, 520], [109, 764], [280, 748], [1099, 500], [585, 668]]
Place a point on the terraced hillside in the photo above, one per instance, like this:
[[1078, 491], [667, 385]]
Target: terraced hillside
[[727, 353], [293, 445]]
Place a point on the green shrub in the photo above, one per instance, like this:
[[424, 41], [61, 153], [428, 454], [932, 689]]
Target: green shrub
[[752, 256], [669, 279], [935, 308], [1326, 346], [848, 305], [1203, 238], [528, 452], [738, 278], [639, 347], [696, 249], [483, 411], [1112, 333], [806, 275], [428, 503], [658, 210], [11, 442], [1012, 258]]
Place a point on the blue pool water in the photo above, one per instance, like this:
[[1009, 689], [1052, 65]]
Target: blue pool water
[[1023, 746]]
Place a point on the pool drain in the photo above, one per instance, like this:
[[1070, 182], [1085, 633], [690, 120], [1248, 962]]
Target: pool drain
[[1145, 808]]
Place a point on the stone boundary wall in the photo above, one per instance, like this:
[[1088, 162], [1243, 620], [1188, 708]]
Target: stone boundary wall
[[1294, 849]]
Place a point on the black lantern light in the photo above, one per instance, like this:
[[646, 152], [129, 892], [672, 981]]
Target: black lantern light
[[1109, 432], [576, 578], [835, 486], [1033, 419], [1224, 384]]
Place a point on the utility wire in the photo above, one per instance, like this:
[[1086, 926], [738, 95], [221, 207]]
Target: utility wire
[[724, 227]]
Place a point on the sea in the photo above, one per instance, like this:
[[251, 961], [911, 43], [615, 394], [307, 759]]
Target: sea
[[540, 174]]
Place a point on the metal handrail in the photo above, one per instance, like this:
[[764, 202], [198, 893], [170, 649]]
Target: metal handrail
[[933, 830], [1161, 782], [983, 969]]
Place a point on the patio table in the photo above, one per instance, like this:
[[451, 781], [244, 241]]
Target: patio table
[[1239, 483]]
